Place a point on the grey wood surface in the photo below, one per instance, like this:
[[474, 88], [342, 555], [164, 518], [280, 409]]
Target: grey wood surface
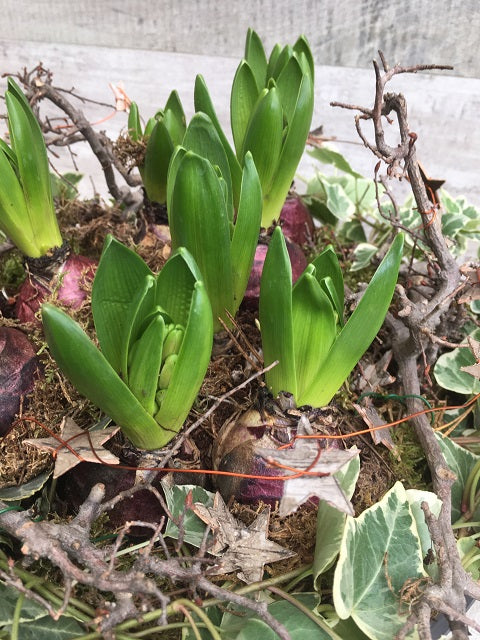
[[443, 110], [341, 32]]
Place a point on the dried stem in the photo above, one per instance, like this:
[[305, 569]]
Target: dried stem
[[410, 329]]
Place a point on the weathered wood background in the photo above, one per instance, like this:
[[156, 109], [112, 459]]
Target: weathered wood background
[[154, 46], [341, 32]]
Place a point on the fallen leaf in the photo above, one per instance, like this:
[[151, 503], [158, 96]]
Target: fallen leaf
[[372, 419], [240, 548], [474, 369], [305, 455], [86, 446]]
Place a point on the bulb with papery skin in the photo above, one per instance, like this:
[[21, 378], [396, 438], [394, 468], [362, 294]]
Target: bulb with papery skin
[[71, 279], [296, 221], [236, 451], [18, 367], [297, 260]]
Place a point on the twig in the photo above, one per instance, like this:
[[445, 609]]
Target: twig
[[410, 329]]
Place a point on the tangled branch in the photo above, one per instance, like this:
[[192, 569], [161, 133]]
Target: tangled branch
[[134, 590], [410, 329]]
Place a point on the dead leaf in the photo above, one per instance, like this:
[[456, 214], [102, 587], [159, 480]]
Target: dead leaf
[[240, 548], [472, 286], [372, 419], [87, 446], [473, 369], [302, 456]]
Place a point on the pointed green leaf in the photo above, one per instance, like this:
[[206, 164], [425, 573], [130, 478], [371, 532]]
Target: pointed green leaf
[[14, 218], [292, 150], [199, 221], [174, 118], [204, 103], [288, 84], [86, 367], [302, 47], [314, 328], [33, 170], [263, 137], [140, 307], [134, 125], [285, 54], [119, 276], [242, 102], [157, 158], [246, 230], [145, 366], [256, 58], [326, 265], [275, 309], [175, 162], [359, 331], [175, 284], [272, 61], [202, 138], [191, 364]]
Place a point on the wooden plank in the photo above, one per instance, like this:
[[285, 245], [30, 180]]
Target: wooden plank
[[443, 109], [342, 33]]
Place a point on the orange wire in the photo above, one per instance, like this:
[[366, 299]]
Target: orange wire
[[297, 473]]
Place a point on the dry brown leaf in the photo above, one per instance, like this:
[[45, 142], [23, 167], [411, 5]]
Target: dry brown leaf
[[302, 456], [86, 445], [240, 548]]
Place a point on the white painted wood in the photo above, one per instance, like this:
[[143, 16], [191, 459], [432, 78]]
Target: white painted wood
[[341, 32], [443, 109]]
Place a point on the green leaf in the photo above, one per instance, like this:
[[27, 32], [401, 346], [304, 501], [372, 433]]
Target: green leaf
[[327, 266], [134, 125], [448, 373], [302, 46], [145, 366], [284, 56], [331, 521], [291, 153], [264, 134], [199, 221], [193, 529], [157, 158], [359, 331], [15, 220], [380, 551], [202, 138], [329, 156], [288, 85], [461, 462], [204, 103], [337, 201], [93, 376], [243, 99], [174, 118], [191, 365], [25, 490], [119, 276], [33, 169], [275, 309], [256, 58], [246, 230], [363, 254], [240, 625], [272, 60], [314, 328]]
